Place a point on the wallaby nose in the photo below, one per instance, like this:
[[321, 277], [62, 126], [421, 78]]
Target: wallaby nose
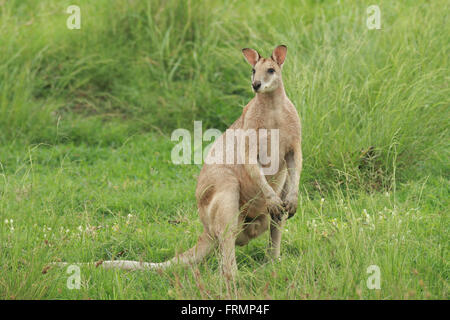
[[256, 85]]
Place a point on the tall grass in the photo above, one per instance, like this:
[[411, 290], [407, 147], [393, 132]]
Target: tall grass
[[158, 65], [374, 106]]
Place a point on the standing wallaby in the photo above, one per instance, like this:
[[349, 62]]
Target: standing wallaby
[[239, 201]]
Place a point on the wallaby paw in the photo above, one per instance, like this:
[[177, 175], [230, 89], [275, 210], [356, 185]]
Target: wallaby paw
[[290, 205], [275, 207]]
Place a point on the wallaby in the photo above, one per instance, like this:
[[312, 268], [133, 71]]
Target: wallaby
[[238, 201]]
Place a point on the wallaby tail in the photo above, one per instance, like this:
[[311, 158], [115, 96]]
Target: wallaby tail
[[194, 255]]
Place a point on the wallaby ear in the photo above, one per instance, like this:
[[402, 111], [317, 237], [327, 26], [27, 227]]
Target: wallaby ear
[[251, 55], [279, 54]]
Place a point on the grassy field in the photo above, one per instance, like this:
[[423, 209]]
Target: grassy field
[[85, 123]]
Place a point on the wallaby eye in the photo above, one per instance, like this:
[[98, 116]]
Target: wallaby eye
[[271, 70], [253, 71]]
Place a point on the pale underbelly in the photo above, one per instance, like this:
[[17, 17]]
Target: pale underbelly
[[251, 200]]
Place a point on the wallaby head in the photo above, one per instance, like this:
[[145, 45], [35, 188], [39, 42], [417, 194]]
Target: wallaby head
[[266, 73]]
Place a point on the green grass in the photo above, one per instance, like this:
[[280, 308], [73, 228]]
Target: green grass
[[86, 116]]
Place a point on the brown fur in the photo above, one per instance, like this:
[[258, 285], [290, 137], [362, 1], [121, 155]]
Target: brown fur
[[236, 202], [238, 210]]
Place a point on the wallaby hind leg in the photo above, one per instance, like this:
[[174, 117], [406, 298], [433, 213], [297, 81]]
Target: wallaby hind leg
[[224, 213], [276, 228], [277, 222]]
